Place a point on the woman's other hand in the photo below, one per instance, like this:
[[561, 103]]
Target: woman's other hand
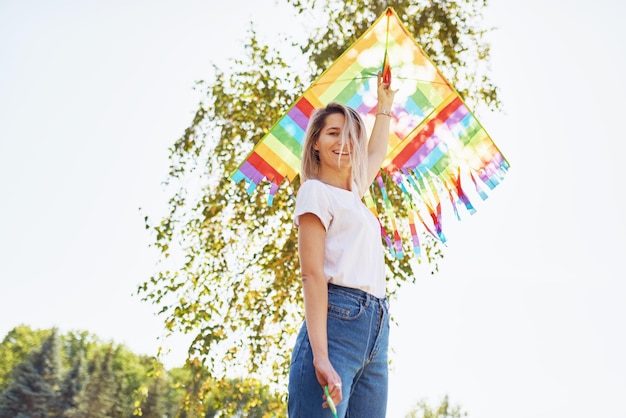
[[327, 376]]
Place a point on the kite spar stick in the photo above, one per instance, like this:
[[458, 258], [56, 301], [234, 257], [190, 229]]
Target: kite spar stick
[[331, 404], [386, 66]]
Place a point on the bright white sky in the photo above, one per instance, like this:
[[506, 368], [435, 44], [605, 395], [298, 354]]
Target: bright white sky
[[526, 317]]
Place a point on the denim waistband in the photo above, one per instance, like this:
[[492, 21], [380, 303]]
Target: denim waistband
[[359, 295]]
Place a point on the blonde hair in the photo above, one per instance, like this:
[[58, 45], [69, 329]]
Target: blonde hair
[[353, 130]]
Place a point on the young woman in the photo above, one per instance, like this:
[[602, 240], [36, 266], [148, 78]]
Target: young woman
[[342, 344]]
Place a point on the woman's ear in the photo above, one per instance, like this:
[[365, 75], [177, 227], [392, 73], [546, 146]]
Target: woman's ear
[[315, 146]]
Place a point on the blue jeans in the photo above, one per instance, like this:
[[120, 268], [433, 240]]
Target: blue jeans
[[358, 339]]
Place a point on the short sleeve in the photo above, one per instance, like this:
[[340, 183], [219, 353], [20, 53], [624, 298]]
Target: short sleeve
[[313, 198]]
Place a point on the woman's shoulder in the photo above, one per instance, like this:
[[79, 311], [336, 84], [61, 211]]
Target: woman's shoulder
[[312, 186], [314, 191]]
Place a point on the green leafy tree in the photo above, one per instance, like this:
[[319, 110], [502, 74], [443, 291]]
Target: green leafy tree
[[243, 397], [75, 382], [27, 394], [15, 348], [444, 410], [99, 396], [155, 405], [128, 371], [193, 393], [77, 375], [34, 387], [48, 362], [78, 344], [230, 273], [178, 380], [155, 400], [131, 372], [103, 380]]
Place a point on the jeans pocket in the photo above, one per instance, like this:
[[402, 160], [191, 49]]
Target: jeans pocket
[[341, 307]]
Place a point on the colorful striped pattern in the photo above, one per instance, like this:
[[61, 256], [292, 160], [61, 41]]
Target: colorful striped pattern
[[434, 141]]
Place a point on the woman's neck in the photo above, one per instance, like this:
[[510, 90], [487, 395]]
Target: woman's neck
[[339, 180]]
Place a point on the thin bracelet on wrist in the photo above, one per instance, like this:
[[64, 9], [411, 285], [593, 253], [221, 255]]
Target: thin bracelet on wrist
[[384, 112]]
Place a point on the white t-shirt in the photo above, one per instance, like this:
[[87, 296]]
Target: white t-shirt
[[353, 254]]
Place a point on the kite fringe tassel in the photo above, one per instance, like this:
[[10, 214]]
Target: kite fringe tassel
[[371, 205], [420, 193], [397, 240]]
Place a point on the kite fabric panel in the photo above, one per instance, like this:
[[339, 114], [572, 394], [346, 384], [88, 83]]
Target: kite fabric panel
[[435, 141]]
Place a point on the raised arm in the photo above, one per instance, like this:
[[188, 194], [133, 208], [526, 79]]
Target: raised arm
[[377, 147]]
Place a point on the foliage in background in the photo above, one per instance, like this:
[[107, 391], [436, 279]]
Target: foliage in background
[[65, 376], [444, 410], [32, 391], [15, 348], [229, 271], [77, 375], [72, 375]]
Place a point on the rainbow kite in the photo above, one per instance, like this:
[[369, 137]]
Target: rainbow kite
[[435, 141]]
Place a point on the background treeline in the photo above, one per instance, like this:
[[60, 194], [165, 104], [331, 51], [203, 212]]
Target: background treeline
[[47, 374]]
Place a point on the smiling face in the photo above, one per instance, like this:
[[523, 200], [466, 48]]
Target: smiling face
[[333, 154], [335, 147]]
